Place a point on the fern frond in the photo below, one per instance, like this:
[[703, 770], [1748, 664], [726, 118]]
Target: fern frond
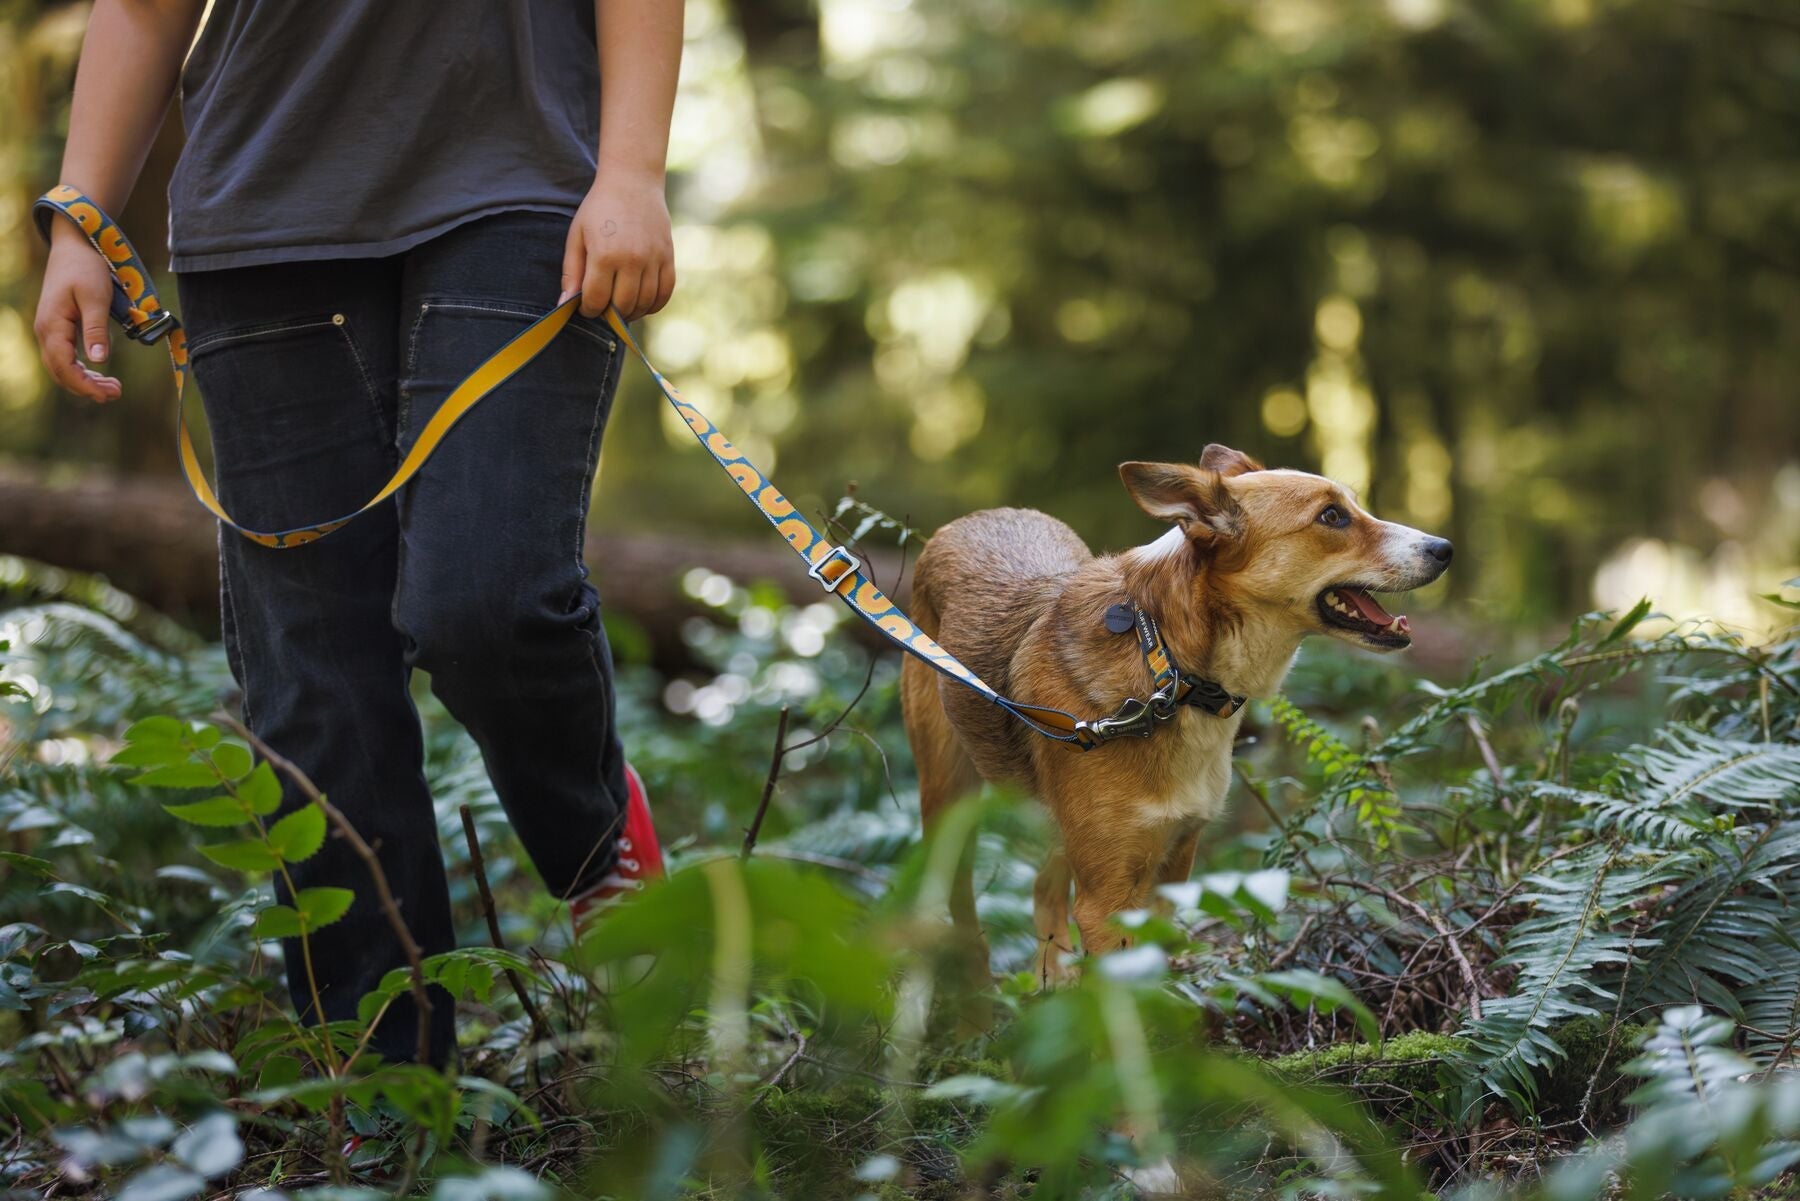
[[1686, 788], [1716, 931], [1692, 767], [873, 839], [1577, 927], [1771, 1005], [1687, 1059], [1349, 781]]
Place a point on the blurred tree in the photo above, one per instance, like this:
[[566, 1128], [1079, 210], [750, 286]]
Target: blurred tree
[[1525, 272]]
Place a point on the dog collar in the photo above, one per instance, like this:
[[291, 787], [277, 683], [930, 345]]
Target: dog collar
[[1170, 686]]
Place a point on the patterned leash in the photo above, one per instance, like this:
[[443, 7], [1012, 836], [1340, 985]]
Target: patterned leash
[[136, 306]]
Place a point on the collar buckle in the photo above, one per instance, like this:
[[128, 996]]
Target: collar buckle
[[1211, 696]]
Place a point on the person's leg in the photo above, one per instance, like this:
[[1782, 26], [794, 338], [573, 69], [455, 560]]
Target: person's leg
[[493, 594], [297, 366]]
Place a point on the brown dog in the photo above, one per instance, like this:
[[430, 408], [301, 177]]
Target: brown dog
[[1256, 561]]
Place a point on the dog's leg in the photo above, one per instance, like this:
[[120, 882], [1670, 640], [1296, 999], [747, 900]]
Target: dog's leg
[[946, 775], [1050, 911], [1178, 864], [1114, 870]]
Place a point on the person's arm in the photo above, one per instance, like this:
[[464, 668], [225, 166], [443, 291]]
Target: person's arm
[[620, 250], [130, 61]]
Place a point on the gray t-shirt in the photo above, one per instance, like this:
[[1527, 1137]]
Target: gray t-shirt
[[321, 129]]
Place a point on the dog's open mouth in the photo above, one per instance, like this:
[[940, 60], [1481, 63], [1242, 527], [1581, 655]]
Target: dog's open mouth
[[1351, 608]]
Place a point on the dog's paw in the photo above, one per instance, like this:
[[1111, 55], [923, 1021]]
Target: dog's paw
[[1055, 966]]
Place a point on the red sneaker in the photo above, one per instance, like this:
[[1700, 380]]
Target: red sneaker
[[640, 854]]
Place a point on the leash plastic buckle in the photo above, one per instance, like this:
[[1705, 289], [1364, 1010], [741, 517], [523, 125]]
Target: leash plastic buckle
[[148, 331], [852, 565], [151, 331]]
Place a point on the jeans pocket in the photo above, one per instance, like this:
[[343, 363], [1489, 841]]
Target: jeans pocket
[[287, 396], [519, 465], [451, 336]]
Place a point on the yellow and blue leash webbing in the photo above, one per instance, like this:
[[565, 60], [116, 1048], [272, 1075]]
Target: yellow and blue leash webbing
[[138, 309]]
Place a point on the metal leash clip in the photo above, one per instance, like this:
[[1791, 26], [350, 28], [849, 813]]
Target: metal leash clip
[[1135, 718]]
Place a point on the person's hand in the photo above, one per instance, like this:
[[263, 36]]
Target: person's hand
[[72, 315], [620, 250]]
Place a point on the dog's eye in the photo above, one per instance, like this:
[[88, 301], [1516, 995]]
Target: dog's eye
[[1334, 517]]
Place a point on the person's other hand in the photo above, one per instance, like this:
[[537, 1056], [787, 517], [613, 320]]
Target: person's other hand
[[620, 250], [72, 315]]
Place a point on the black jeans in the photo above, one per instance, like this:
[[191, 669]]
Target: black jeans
[[317, 377]]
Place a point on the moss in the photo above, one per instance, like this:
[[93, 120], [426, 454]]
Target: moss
[[1401, 1078], [1409, 1061], [1590, 1057], [815, 1138], [934, 1067]]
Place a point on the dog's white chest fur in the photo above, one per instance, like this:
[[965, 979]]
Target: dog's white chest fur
[[1198, 776]]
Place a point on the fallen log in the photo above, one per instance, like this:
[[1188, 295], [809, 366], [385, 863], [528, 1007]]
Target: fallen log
[[150, 538]]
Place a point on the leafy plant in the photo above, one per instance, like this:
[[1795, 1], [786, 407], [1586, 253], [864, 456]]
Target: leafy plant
[[1433, 966]]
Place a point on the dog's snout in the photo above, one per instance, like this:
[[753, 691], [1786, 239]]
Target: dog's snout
[[1439, 549]]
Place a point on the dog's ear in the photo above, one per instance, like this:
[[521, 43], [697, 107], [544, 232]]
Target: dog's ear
[[1226, 461], [1197, 500]]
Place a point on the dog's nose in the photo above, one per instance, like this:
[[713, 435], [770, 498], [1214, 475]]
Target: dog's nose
[[1440, 549]]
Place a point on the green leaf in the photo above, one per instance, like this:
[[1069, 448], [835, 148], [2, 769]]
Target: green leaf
[[215, 811], [210, 1146], [232, 760], [40, 868], [249, 855], [149, 754], [260, 790], [278, 1071], [319, 907], [1627, 623], [1305, 988], [1781, 600], [82, 891], [299, 835], [277, 921], [161, 1182], [179, 775], [156, 729]]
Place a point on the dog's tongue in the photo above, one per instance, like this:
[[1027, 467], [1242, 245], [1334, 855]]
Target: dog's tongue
[[1369, 607]]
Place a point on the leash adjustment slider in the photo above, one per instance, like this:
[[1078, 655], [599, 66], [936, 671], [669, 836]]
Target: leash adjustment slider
[[852, 565]]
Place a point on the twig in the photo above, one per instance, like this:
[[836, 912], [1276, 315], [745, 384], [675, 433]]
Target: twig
[[1493, 761], [538, 1025], [867, 1075], [887, 770], [346, 831], [762, 806], [831, 861], [1261, 793], [1430, 919], [790, 1061], [1288, 952], [830, 727]]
